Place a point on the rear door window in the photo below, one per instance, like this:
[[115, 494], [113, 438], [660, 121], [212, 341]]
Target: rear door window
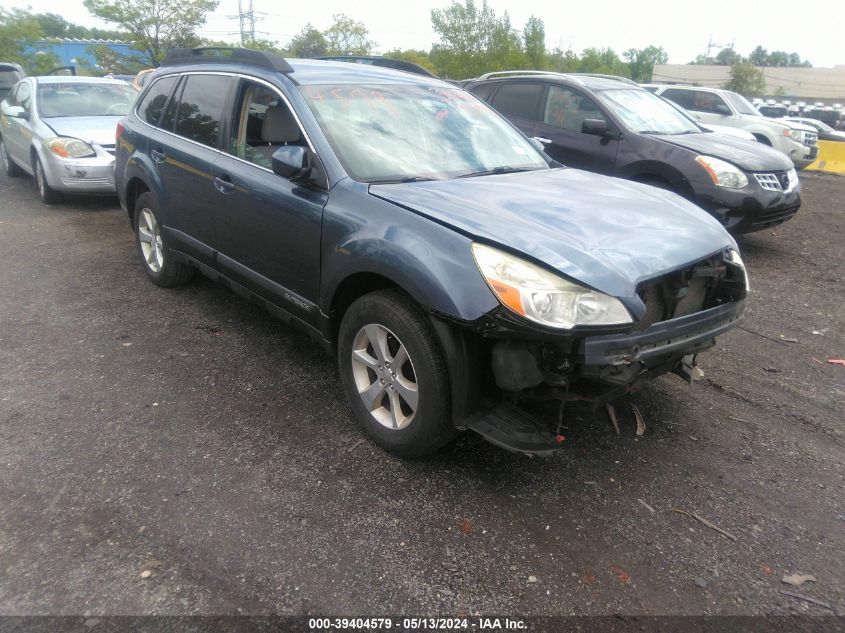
[[154, 101], [520, 100], [201, 108]]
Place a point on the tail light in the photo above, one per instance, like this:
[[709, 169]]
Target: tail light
[[119, 131]]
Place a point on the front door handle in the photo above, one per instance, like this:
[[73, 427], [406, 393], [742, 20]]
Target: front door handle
[[223, 184], [544, 141], [158, 155]]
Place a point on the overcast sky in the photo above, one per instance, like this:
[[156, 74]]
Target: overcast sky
[[682, 27]]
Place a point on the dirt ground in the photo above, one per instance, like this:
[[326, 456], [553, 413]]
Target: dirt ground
[[181, 452]]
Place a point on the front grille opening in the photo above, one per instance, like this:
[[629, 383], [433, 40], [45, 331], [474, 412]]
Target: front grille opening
[[702, 286]]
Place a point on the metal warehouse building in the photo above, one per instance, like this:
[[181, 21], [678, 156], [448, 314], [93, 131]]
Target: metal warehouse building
[[74, 51], [809, 84]]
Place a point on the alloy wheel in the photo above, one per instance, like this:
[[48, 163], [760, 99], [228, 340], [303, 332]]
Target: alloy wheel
[[384, 376], [149, 235]]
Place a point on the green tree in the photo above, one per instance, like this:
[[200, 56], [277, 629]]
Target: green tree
[[474, 41], [641, 62], [109, 60], [155, 25], [309, 42], [420, 58], [604, 61], [346, 36], [747, 80], [563, 61], [727, 57], [19, 33], [55, 25], [534, 39], [759, 56]]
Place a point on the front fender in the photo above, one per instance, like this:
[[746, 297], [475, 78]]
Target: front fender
[[431, 262]]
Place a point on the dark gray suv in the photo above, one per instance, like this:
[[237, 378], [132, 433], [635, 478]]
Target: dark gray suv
[[453, 269], [612, 126]]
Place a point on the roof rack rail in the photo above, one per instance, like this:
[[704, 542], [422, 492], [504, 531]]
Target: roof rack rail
[[605, 76], [225, 54], [503, 73]]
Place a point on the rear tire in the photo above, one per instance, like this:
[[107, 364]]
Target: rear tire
[[10, 167], [45, 191], [153, 250], [394, 374]]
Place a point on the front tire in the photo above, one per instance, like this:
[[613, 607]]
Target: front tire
[[152, 246], [394, 374], [45, 191], [10, 167]]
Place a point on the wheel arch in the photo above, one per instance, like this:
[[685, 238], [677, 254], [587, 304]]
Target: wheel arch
[[643, 171], [134, 188], [459, 347]]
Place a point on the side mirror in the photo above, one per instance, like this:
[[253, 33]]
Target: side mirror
[[596, 127], [291, 161], [721, 108], [15, 112]]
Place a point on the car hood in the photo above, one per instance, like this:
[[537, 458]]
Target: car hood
[[91, 129], [608, 233], [730, 131], [749, 155]]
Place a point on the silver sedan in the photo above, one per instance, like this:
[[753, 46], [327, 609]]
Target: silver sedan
[[62, 130]]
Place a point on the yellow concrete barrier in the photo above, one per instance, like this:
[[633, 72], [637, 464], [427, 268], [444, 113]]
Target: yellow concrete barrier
[[831, 157]]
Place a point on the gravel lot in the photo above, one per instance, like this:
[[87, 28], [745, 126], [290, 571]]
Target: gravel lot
[[181, 452]]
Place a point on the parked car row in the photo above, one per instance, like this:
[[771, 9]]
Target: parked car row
[[451, 263], [831, 115]]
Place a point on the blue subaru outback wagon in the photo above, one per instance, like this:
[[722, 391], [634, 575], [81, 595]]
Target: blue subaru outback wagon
[[454, 270]]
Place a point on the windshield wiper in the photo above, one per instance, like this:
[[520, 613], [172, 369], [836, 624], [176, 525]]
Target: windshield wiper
[[652, 132], [389, 181], [504, 169]]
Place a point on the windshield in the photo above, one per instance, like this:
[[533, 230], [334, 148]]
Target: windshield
[[84, 99], [384, 133], [741, 104], [643, 112]]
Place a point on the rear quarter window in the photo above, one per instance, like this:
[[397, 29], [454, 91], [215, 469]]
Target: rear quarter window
[[152, 105], [483, 91]]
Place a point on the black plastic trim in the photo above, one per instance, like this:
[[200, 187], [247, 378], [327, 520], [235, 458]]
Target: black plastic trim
[[666, 337]]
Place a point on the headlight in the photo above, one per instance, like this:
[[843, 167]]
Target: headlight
[[541, 296], [797, 135], [733, 256], [722, 172], [70, 147]]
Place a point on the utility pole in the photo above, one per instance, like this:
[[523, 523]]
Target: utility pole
[[246, 20]]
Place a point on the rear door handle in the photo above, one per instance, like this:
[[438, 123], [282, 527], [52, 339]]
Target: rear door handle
[[158, 155], [544, 141], [223, 184]]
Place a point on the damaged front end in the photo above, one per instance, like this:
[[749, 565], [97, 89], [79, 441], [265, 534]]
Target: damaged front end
[[680, 315]]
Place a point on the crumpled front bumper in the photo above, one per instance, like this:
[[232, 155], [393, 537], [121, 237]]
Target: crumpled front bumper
[[93, 174], [680, 336]]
